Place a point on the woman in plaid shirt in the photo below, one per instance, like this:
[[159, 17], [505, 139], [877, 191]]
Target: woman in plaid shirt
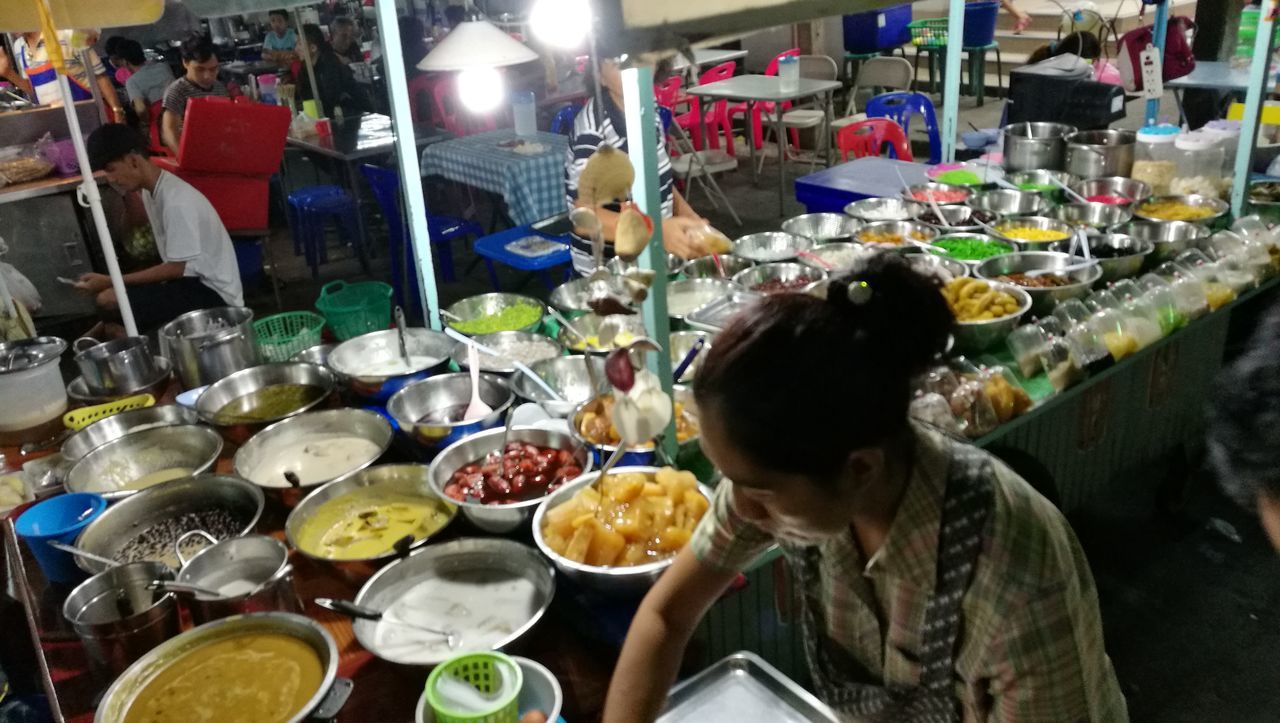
[[935, 584]]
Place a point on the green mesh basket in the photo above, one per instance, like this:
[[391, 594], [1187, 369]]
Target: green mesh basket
[[283, 335], [487, 673], [928, 33], [355, 309]]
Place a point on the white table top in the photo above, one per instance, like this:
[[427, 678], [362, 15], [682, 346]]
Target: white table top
[[1213, 74], [703, 57], [763, 88]]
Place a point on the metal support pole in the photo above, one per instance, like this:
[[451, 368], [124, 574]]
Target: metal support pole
[[407, 158], [951, 80], [642, 147], [1259, 85], [311, 68], [1158, 39]]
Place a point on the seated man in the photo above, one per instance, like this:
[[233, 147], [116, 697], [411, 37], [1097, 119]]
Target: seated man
[[200, 79], [198, 263]]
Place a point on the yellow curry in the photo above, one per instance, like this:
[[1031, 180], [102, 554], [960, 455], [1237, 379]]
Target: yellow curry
[[367, 523], [225, 681]]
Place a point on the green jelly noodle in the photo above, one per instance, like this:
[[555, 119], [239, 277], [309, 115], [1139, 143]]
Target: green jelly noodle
[[959, 178], [1037, 187], [966, 249], [509, 319]]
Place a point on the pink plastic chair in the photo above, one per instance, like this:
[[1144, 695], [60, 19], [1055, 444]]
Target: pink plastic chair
[[446, 110], [866, 138], [716, 120], [757, 130]]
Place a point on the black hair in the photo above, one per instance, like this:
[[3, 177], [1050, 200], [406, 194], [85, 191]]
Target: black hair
[[279, 11], [343, 20], [111, 142], [130, 51], [112, 45], [1082, 43], [799, 382], [196, 48], [1244, 429], [315, 36], [454, 15]]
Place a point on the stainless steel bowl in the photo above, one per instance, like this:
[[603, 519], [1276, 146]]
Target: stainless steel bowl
[[568, 376], [470, 557], [875, 210], [929, 262], [619, 266], [646, 452], [118, 425], [371, 366], [168, 504], [400, 479], [1006, 202], [956, 218], [764, 273], [910, 193], [836, 257], [503, 342], [78, 390], [262, 446], [631, 326], [1129, 254], [705, 267], [119, 366], [318, 354], [822, 228], [110, 469], [1095, 216], [1112, 186], [983, 238], [688, 295], [771, 246], [1032, 222], [624, 581], [1170, 237], [446, 395], [503, 518], [125, 690], [1043, 178], [1217, 208], [478, 307], [680, 344], [978, 336], [907, 230], [255, 379], [1043, 301], [570, 298]]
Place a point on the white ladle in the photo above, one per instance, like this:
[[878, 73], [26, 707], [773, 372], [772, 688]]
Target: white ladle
[[520, 366], [476, 408], [1072, 194]]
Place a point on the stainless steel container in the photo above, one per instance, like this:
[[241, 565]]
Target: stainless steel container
[[705, 267], [251, 572], [368, 364], [1124, 258], [209, 344], [1094, 154], [688, 295], [118, 425], [822, 228], [789, 273], [1043, 300], [120, 468], [1170, 237], [120, 366], [118, 619], [1006, 202], [248, 381], [425, 410], [567, 375], [972, 337], [1035, 146]]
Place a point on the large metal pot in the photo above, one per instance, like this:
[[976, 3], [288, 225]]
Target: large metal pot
[[118, 619], [1035, 146], [209, 344], [324, 704], [248, 381], [362, 362], [145, 458], [1094, 154], [251, 572], [118, 425], [424, 410], [120, 366]]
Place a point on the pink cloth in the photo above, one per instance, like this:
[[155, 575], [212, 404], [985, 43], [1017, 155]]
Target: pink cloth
[[122, 74]]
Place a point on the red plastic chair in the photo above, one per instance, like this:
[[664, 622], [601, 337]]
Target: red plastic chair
[[757, 131], [154, 111], [667, 93], [445, 94], [718, 118], [867, 138], [422, 99]]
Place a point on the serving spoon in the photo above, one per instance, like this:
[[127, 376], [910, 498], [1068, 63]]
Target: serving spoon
[[81, 553], [360, 612]]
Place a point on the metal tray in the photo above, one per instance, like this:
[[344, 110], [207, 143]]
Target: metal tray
[[743, 687], [712, 317]]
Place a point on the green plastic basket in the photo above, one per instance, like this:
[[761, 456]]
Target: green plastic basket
[[928, 33], [484, 671], [355, 309], [282, 335]]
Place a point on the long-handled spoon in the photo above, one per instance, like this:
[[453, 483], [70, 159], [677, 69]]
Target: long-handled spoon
[[81, 553], [350, 609], [476, 408], [404, 350], [520, 366]]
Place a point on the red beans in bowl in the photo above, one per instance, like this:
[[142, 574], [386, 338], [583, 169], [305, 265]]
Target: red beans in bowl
[[522, 472]]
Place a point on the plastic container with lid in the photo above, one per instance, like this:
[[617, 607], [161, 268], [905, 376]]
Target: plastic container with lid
[[32, 393], [1026, 344], [1227, 135], [1188, 292], [1199, 166], [1061, 365], [1155, 157]]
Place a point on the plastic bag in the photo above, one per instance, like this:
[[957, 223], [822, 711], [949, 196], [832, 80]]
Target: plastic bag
[[20, 164], [19, 286]]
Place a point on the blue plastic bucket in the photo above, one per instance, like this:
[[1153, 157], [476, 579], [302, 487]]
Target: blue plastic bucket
[[58, 519], [980, 23]]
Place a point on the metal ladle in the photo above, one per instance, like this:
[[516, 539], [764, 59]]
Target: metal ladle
[[404, 350], [81, 553], [360, 612]]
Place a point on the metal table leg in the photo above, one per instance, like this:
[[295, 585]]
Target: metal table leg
[[782, 156], [751, 144], [362, 233]]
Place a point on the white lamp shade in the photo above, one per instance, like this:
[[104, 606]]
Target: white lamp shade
[[474, 44]]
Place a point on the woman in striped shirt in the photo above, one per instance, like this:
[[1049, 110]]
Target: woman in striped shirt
[[680, 223]]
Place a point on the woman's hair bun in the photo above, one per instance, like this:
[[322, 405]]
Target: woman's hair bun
[[897, 310]]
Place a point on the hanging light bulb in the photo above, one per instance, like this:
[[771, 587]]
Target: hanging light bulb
[[480, 89], [561, 23]]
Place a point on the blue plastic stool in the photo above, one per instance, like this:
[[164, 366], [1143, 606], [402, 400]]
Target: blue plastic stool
[[297, 200], [385, 183], [313, 217], [494, 248], [900, 107]]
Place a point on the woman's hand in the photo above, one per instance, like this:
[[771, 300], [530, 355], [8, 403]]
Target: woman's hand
[[682, 236]]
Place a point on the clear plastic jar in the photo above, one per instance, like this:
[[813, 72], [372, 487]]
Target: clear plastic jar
[[1188, 291], [1026, 344], [1199, 166], [1101, 301], [1072, 311], [1155, 157], [1227, 134], [1088, 348], [1159, 294], [1143, 322], [1061, 365], [1113, 326]]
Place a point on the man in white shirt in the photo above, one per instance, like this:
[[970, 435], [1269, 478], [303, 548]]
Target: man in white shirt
[[198, 263]]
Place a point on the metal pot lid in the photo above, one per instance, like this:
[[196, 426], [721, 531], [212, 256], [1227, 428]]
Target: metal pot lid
[[17, 356]]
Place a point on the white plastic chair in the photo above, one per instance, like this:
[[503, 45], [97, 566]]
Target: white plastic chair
[[889, 73], [814, 113]]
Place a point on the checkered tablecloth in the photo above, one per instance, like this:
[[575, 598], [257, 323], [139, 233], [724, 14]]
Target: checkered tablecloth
[[531, 183]]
